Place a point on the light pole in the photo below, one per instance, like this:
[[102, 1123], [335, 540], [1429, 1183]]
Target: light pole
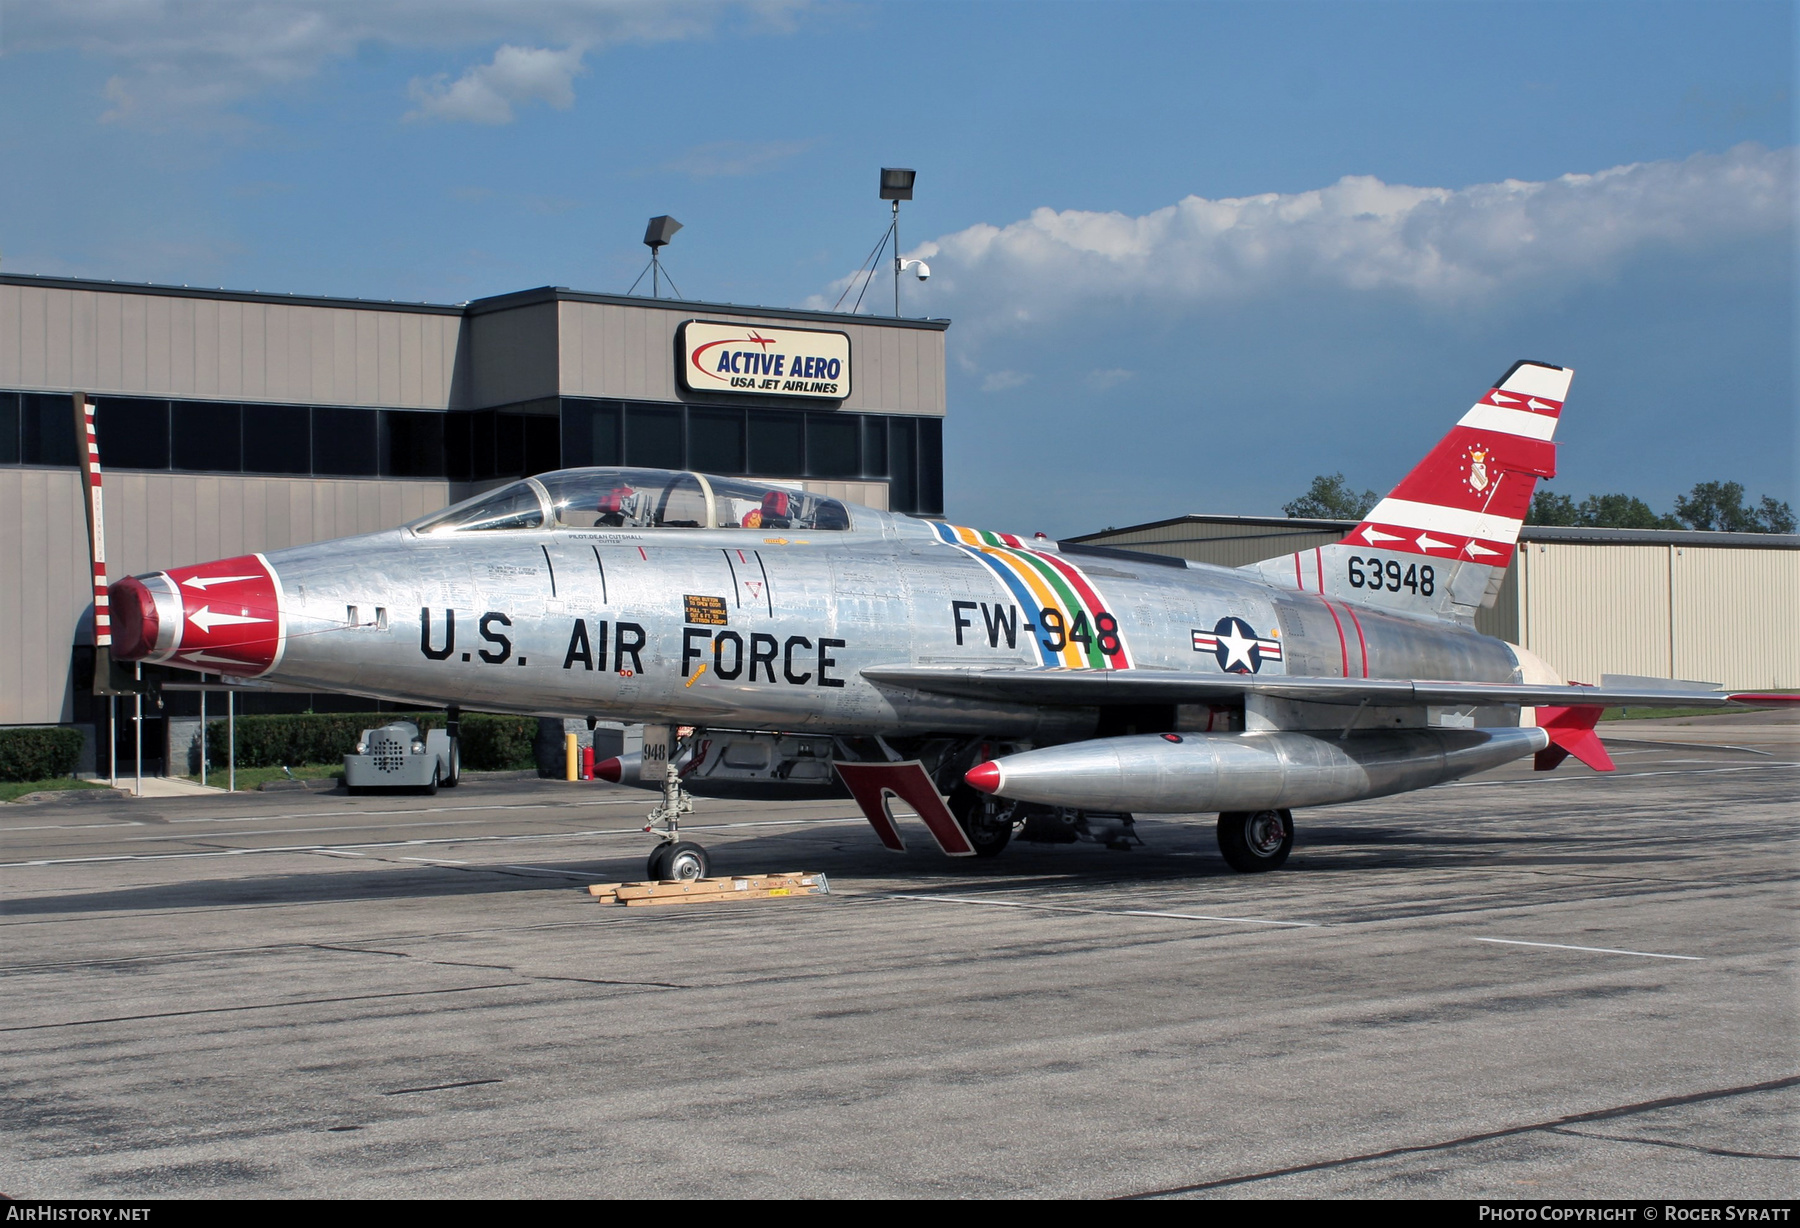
[[897, 185]]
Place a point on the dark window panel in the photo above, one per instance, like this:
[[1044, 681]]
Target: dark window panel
[[716, 441], [903, 474], [590, 433], [206, 436], [777, 444], [543, 443], [412, 444], [133, 432], [653, 437], [48, 419], [481, 444], [458, 464], [874, 438], [9, 428], [343, 442], [277, 439], [931, 466], [833, 446], [509, 445]]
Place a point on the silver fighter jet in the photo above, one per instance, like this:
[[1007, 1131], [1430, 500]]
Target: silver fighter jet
[[778, 643]]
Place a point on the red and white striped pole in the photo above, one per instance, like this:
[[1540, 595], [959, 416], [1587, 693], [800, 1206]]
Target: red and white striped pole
[[88, 446]]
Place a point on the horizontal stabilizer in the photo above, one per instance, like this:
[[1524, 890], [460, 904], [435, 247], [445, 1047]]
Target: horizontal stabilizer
[[1571, 732], [1091, 688]]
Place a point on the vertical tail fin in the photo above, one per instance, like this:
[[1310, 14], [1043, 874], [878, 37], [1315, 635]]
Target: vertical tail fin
[[1441, 540]]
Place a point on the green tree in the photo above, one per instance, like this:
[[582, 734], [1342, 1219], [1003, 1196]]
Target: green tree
[[1621, 512], [1329, 498], [1549, 508], [1719, 507]]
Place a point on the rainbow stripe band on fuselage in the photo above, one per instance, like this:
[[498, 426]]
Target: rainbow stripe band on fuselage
[[1040, 580]]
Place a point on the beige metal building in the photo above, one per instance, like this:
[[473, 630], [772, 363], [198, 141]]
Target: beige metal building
[[233, 422], [1712, 607]]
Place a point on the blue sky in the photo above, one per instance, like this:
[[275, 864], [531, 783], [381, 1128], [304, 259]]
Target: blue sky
[[1125, 346]]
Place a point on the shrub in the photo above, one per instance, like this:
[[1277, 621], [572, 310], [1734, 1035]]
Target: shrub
[[489, 743], [43, 753]]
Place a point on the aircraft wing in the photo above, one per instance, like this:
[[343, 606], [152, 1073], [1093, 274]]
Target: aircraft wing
[[1089, 688]]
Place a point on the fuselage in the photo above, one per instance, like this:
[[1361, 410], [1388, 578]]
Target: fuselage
[[762, 627]]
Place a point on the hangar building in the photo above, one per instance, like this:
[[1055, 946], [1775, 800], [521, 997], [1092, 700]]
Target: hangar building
[[1712, 607], [233, 422]]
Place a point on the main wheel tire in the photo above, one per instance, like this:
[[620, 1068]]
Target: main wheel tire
[[657, 866], [686, 862], [1255, 841], [989, 828], [453, 777]]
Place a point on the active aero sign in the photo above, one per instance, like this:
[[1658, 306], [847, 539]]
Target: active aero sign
[[783, 362]]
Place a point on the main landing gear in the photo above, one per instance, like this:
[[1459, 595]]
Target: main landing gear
[[1254, 841], [674, 858]]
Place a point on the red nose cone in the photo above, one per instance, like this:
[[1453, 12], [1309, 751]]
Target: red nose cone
[[607, 770], [134, 621], [984, 776]]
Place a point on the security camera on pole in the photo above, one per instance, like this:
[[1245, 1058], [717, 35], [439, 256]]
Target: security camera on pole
[[897, 185]]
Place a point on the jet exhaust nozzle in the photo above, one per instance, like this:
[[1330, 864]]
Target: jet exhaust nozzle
[[1178, 773]]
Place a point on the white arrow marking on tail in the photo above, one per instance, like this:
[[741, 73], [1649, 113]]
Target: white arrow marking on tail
[[1475, 548], [1376, 535], [1534, 403], [200, 582], [1500, 398], [202, 657], [1427, 542], [206, 620]]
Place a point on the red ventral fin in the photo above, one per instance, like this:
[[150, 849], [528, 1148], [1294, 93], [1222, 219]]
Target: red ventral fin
[[871, 784], [1571, 732]]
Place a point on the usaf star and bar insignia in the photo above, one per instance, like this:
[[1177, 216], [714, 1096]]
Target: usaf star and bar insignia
[[1237, 646]]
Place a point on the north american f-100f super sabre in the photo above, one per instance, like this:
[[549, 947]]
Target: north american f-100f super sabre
[[803, 646]]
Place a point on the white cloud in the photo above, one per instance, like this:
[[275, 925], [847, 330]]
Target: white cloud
[[1112, 378], [193, 59], [731, 158], [487, 93], [1494, 241], [1000, 381]]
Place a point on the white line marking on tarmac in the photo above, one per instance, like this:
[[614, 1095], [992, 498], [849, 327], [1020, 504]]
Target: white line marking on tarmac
[[1563, 946], [1103, 912], [436, 861], [397, 844]]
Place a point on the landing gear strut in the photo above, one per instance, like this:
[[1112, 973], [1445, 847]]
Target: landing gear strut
[[1256, 840], [674, 858], [986, 820]]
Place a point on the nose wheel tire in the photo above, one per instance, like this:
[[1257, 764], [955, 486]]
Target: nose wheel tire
[[986, 821], [1254, 841], [683, 861]]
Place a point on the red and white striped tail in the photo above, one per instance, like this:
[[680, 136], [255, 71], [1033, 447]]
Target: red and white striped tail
[[1466, 500], [1440, 543]]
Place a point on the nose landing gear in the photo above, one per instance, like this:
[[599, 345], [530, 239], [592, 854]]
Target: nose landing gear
[[674, 858]]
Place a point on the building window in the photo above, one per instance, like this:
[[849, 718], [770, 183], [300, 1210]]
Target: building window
[[716, 441], [207, 436], [9, 428], [777, 443], [412, 444], [931, 466], [277, 439], [133, 432], [903, 465], [833, 446], [653, 437], [47, 421], [343, 442]]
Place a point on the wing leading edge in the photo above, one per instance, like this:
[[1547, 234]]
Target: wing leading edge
[[1087, 688]]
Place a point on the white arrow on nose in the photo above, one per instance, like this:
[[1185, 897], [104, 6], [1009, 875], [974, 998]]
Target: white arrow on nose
[[205, 619], [203, 658], [201, 582]]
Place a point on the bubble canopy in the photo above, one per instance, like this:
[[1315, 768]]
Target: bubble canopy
[[637, 499]]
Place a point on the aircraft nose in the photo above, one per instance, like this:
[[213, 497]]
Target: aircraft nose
[[223, 617]]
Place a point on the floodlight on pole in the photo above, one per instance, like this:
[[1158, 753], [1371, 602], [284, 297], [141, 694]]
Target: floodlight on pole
[[897, 185], [656, 237]]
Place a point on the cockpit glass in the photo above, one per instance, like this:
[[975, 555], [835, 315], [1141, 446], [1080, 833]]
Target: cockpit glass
[[661, 499], [510, 507]]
